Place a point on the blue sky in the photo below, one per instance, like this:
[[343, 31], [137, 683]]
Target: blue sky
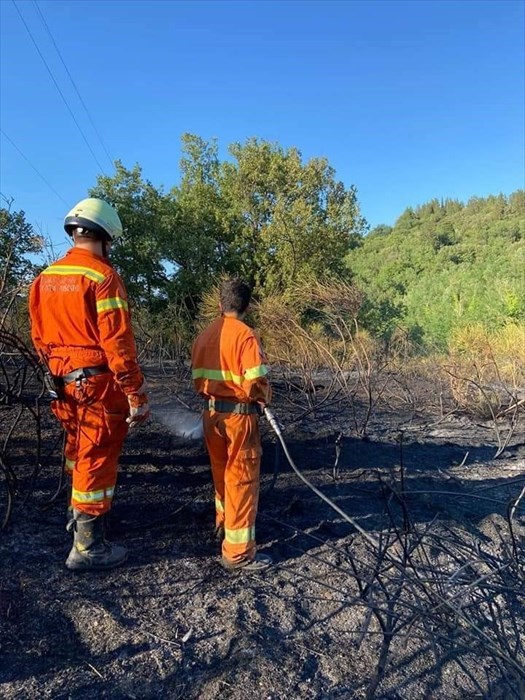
[[407, 100]]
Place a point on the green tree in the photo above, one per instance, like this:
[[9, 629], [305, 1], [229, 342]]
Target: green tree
[[145, 212], [17, 241], [199, 244], [263, 214], [381, 230], [407, 221], [289, 219]]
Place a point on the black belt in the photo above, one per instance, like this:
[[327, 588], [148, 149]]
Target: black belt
[[81, 373], [231, 407]]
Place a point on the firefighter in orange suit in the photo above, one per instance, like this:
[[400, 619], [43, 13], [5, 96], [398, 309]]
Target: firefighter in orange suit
[[80, 327], [229, 371]]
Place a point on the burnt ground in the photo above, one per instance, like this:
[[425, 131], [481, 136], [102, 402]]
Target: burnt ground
[[421, 595]]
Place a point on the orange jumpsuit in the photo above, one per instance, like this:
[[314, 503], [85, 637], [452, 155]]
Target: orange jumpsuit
[[79, 318], [228, 364]]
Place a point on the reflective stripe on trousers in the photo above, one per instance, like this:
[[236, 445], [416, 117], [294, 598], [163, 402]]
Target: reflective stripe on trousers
[[70, 464]]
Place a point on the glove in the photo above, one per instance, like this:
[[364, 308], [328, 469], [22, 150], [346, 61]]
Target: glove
[[138, 409]]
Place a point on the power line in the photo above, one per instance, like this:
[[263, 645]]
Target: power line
[[58, 87], [35, 169], [35, 3]]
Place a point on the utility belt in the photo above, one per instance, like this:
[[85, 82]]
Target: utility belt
[[55, 384], [230, 407]]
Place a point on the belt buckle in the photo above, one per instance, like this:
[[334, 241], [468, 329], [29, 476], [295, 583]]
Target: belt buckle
[[79, 378]]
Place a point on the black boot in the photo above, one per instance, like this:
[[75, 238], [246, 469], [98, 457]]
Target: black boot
[[90, 549]]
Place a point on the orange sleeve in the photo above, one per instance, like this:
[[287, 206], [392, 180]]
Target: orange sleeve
[[255, 371], [116, 333]]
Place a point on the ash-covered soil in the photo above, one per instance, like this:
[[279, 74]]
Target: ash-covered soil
[[420, 595]]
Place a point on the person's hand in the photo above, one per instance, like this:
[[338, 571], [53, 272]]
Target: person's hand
[[138, 409]]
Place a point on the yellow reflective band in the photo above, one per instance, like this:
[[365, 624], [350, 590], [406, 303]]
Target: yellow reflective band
[[241, 536], [113, 303], [255, 372], [70, 465], [219, 505], [75, 270], [217, 375], [93, 496]]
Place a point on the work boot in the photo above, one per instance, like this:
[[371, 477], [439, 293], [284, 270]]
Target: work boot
[[90, 549], [259, 563], [70, 521]]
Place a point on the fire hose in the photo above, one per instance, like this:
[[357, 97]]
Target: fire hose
[[275, 426]]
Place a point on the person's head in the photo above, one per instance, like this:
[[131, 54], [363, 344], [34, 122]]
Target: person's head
[[94, 224], [235, 297]]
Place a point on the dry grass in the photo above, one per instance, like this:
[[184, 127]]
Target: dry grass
[[500, 354], [313, 325], [486, 370]]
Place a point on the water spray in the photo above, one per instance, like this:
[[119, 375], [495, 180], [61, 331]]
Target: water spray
[[181, 422]]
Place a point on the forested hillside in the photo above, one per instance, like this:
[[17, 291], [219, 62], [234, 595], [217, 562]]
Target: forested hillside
[[445, 265], [287, 225], [279, 221]]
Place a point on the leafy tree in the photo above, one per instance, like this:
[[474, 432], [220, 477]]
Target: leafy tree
[[200, 238], [279, 221], [381, 230], [289, 219], [407, 221], [443, 235], [145, 212], [264, 215], [17, 241]]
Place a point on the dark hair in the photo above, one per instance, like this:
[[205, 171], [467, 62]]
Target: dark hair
[[235, 295], [81, 232]]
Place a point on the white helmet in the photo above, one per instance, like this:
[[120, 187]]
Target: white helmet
[[94, 215]]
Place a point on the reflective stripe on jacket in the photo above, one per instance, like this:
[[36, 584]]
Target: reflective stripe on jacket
[[228, 363], [80, 318]]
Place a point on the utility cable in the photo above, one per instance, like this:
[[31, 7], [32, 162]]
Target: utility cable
[[35, 3], [35, 169], [58, 87]]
